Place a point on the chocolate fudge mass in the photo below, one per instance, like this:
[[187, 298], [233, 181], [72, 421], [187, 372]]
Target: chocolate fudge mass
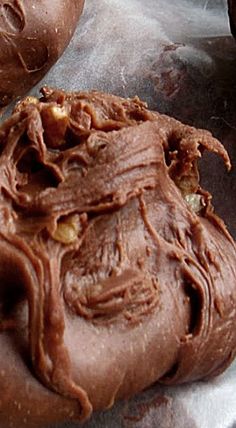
[[115, 271]]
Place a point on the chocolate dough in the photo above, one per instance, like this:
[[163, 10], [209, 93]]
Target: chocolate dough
[[115, 271], [33, 35]]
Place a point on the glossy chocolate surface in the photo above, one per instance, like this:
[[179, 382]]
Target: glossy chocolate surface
[[33, 35]]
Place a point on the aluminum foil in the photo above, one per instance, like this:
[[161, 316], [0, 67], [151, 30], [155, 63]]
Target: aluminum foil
[[180, 57]]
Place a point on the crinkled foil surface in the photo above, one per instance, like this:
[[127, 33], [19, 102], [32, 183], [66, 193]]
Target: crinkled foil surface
[[178, 56]]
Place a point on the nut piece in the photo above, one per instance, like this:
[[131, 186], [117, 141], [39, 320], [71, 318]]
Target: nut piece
[[68, 229], [55, 121], [195, 202]]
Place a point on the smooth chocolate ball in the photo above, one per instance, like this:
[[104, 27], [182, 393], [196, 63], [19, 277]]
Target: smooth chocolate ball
[[33, 35]]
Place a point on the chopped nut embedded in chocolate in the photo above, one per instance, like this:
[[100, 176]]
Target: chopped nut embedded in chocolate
[[195, 201], [68, 229], [55, 121]]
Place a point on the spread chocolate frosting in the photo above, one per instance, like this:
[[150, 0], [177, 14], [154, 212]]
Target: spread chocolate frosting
[[33, 35], [115, 270]]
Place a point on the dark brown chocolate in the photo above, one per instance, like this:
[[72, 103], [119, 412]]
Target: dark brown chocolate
[[33, 35], [232, 16], [115, 271]]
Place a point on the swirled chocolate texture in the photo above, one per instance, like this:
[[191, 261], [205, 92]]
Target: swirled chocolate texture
[[33, 35], [115, 271]]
